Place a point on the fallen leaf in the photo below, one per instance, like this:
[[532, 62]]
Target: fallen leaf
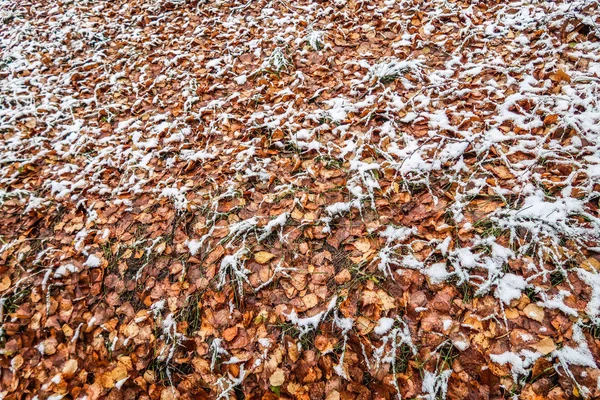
[[69, 368], [364, 325], [343, 277], [263, 257], [511, 313], [591, 264], [4, 283], [169, 393], [277, 378], [30, 123], [230, 333], [550, 119], [369, 297], [545, 346], [310, 300], [534, 312], [387, 301], [334, 395], [473, 322], [362, 244], [16, 362], [132, 330], [561, 75], [323, 344]]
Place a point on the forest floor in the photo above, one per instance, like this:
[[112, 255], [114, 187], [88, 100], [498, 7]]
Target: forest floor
[[299, 199]]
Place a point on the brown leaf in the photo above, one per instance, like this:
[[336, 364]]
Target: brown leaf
[[561, 75], [30, 123], [310, 301], [169, 393], [550, 119], [364, 325], [5, 283], [342, 277], [230, 333], [511, 313], [387, 301], [17, 362]]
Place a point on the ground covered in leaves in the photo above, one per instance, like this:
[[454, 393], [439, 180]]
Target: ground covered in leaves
[[299, 200]]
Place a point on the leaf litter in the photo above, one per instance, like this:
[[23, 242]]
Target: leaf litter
[[341, 200]]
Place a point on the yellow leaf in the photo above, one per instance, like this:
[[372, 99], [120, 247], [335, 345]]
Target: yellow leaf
[[277, 378], [534, 312], [545, 346], [297, 214], [310, 300], [263, 257], [591, 264], [362, 244], [70, 367], [4, 283], [120, 372], [473, 322], [387, 301], [511, 313], [132, 330]]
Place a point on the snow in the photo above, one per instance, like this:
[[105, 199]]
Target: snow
[[194, 246], [119, 384], [593, 280], [308, 324], [437, 273], [240, 80], [277, 222], [93, 261], [383, 325], [520, 363], [510, 287], [435, 384]]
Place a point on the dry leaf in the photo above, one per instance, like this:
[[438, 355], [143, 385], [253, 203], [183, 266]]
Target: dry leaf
[[5, 283], [333, 395], [310, 300], [342, 277], [473, 322], [364, 325], [545, 346], [263, 257], [169, 393], [17, 362], [534, 312], [277, 378], [132, 330], [511, 313], [387, 301], [69, 368], [230, 333], [591, 265], [362, 244], [30, 123]]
